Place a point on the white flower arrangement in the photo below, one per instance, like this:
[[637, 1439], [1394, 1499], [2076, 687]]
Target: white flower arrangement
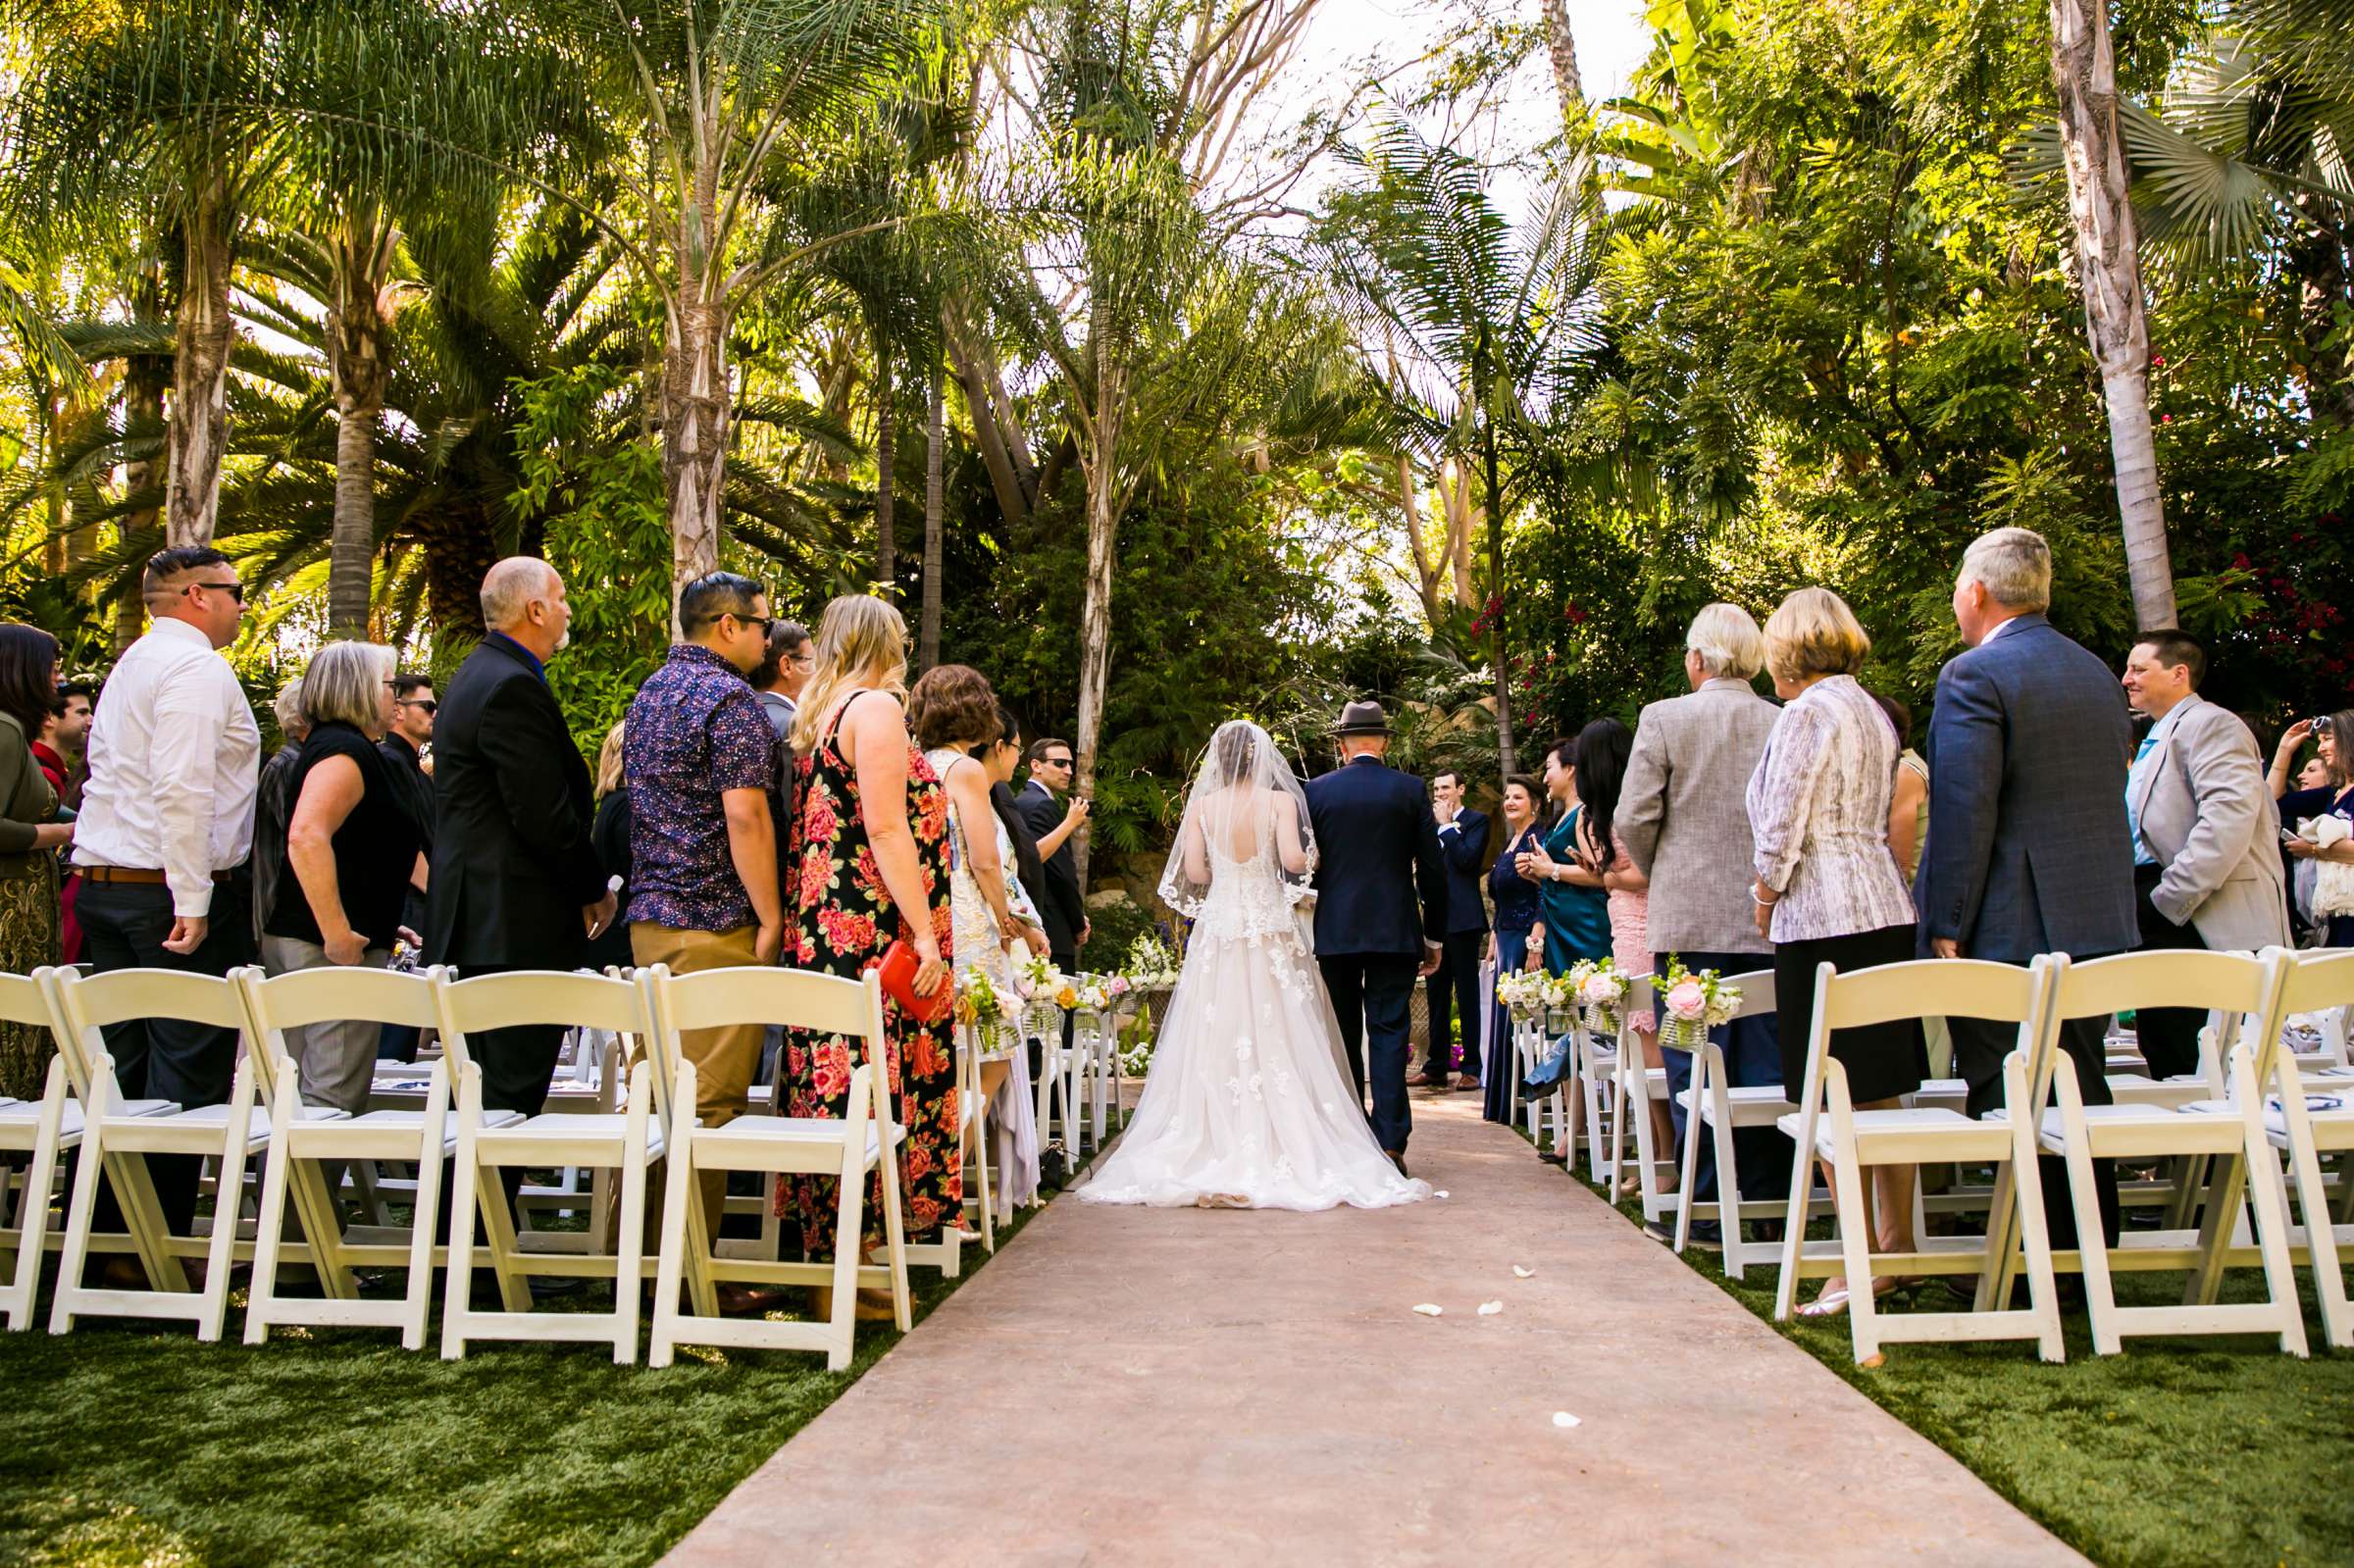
[[1151, 965], [1531, 993]]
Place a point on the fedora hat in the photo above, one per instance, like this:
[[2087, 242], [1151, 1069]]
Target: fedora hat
[[1362, 719]]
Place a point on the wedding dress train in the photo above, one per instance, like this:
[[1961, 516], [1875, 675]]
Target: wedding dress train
[[1249, 1102]]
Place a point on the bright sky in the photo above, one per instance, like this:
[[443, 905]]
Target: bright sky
[[1351, 40]]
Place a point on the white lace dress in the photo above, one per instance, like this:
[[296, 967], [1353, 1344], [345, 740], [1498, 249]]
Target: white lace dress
[[1249, 1101], [1014, 1124]]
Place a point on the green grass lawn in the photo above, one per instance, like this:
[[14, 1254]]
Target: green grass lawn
[[2178, 1453], [125, 1445]]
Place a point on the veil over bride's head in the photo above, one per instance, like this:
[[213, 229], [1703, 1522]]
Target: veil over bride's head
[[1243, 801]]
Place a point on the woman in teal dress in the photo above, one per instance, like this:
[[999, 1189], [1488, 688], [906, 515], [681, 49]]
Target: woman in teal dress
[[1576, 910]]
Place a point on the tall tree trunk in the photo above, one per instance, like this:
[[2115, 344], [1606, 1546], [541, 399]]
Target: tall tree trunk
[[199, 427], [356, 326], [935, 440], [1455, 494], [2109, 264], [694, 384], [887, 545], [1498, 648], [1426, 576], [1101, 468], [145, 378], [1566, 82], [989, 434]]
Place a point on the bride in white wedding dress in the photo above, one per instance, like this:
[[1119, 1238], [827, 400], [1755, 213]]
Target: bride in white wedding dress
[[1248, 1103]]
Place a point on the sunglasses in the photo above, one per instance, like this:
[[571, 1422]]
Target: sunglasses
[[1056, 762], [235, 589], [425, 704]]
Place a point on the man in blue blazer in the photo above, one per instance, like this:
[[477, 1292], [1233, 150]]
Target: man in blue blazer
[[1463, 846], [2028, 850], [1377, 847]]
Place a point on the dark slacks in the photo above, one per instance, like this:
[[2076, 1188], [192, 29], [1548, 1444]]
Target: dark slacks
[[1753, 1055], [1372, 997], [2169, 1036], [124, 926], [518, 1065], [1979, 1048], [1454, 993]]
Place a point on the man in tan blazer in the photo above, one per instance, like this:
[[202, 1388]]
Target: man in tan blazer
[[1684, 814], [2206, 833]]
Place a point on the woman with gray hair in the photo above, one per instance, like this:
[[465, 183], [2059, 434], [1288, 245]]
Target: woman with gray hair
[[353, 846]]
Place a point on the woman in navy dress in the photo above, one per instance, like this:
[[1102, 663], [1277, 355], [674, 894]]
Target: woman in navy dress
[[1518, 908]]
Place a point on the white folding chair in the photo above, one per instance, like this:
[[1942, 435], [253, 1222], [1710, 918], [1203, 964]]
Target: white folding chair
[[972, 1133], [1595, 1060], [627, 1142], [44, 1130], [2307, 1129], [116, 1142], [858, 1144], [1827, 1126], [1640, 1088], [303, 1152], [1487, 1019], [2248, 991], [1715, 1108]]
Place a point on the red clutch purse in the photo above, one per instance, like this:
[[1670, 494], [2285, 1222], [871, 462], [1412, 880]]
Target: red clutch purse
[[899, 964]]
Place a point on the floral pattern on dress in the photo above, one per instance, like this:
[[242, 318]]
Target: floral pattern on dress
[[846, 921]]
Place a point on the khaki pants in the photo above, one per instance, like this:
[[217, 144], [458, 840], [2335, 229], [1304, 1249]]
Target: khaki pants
[[724, 1059]]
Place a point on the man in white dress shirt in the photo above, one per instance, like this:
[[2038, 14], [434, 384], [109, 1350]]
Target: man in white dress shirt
[[165, 832]]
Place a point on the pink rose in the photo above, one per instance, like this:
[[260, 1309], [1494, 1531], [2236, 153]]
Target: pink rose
[[1687, 1000]]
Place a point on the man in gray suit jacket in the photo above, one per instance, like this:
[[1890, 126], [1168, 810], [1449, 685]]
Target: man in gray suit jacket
[[2206, 833], [2028, 847], [1684, 817]]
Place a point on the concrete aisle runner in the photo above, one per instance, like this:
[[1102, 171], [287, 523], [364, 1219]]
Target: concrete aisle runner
[[1147, 1387]]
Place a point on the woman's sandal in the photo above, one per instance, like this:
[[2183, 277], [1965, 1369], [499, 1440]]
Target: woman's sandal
[[1833, 1303]]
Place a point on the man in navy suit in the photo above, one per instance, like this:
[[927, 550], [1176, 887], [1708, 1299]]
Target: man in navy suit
[[1377, 848], [2029, 850], [1463, 846]]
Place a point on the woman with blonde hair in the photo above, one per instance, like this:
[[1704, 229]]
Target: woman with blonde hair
[[871, 868], [352, 849], [1828, 889], [610, 837]]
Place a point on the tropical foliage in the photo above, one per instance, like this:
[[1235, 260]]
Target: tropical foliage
[[1157, 375]]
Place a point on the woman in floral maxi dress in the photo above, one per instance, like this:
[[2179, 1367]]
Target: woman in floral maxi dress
[[847, 918]]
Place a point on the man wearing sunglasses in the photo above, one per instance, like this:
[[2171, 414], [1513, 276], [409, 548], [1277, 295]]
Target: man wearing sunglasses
[[403, 751], [164, 835]]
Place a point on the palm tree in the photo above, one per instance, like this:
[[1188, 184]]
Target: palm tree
[[123, 106], [1485, 325], [733, 104], [2109, 268]]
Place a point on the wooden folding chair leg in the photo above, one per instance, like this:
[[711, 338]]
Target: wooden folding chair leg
[[678, 1193], [1688, 1170], [848, 1226], [2269, 1200], [463, 1203], [2033, 1231], [270, 1228], [2312, 1207], [32, 1205], [424, 1214], [2092, 1244], [629, 1252]]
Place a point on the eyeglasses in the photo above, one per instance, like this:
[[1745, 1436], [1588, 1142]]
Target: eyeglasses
[[235, 589], [804, 661]]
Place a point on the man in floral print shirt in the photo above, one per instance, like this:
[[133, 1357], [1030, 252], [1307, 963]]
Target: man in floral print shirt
[[699, 759]]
